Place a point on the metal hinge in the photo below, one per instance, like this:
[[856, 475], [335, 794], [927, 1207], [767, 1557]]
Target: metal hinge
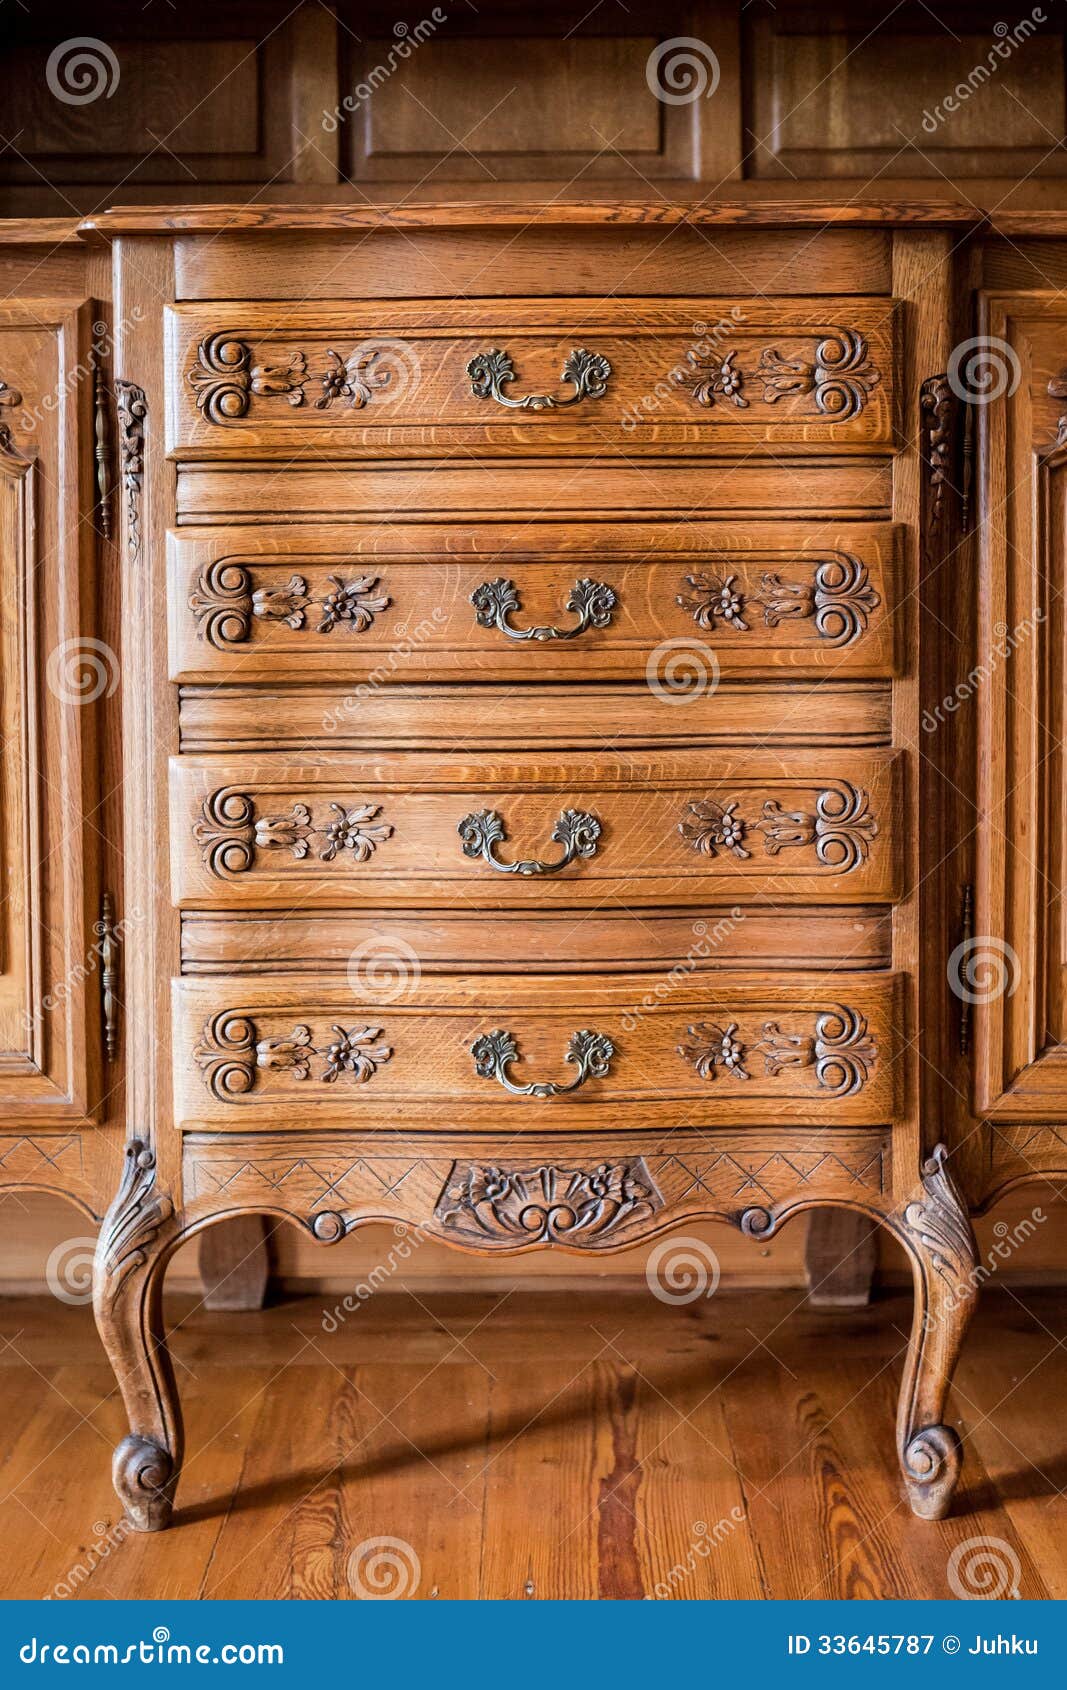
[[102, 445], [108, 951], [962, 954]]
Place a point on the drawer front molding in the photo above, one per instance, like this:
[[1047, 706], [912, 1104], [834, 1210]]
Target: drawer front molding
[[840, 1049], [551, 600], [546, 1204], [795, 825], [230, 832], [397, 380], [725, 1050], [840, 828]]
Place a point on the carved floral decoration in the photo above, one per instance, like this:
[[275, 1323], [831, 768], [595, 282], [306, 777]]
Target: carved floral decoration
[[838, 598], [840, 828], [512, 1207], [839, 1048], [838, 376], [225, 602], [231, 1054], [230, 831], [226, 380]]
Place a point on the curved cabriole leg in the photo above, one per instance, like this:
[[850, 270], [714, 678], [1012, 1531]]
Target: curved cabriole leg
[[936, 1231], [131, 1255]]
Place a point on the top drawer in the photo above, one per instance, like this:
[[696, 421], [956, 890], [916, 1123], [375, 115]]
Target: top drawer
[[688, 376]]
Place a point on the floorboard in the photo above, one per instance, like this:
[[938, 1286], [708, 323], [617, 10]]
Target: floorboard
[[531, 1445]]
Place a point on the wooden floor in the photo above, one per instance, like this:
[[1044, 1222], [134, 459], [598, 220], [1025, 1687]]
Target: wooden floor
[[532, 1446]]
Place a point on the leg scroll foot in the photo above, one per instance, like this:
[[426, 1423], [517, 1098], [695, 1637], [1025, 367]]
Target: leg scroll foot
[[936, 1232], [931, 1464], [144, 1479], [135, 1242]]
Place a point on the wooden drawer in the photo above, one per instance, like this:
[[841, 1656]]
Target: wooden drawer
[[531, 603], [543, 1052], [531, 376], [421, 828]]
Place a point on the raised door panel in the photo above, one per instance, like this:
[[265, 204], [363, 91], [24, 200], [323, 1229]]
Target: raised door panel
[[1013, 966], [522, 377], [541, 1053], [52, 670], [418, 828], [582, 601]]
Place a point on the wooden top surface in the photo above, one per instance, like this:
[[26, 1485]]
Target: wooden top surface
[[520, 213], [515, 213]]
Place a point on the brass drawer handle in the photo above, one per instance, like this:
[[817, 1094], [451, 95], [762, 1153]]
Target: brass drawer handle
[[590, 1052], [592, 602], [586, 372], [576, 830]]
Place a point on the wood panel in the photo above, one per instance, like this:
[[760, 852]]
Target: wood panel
[[464, 492], [984, 97], [680, 706], [676, 942], [518, 603], [526, 377], [205, 100], [1015, 980], [53, 671], [724, 1048], [424, 829]]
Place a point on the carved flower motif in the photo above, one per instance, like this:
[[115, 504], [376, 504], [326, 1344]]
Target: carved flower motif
[[351, 602], [713, 827], [713, 600], [293, 1052], [282, 604], [785, 601], [784, 828], [348, 832], [711, 1047], [352, 1052], [282, 380], [351, 378], [725, 381]]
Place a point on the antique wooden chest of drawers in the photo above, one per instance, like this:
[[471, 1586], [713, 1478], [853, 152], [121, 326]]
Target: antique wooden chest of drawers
[[524, 659]]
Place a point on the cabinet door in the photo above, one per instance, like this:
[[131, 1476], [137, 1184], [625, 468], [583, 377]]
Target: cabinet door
[[53, 673], [1018, 954]]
